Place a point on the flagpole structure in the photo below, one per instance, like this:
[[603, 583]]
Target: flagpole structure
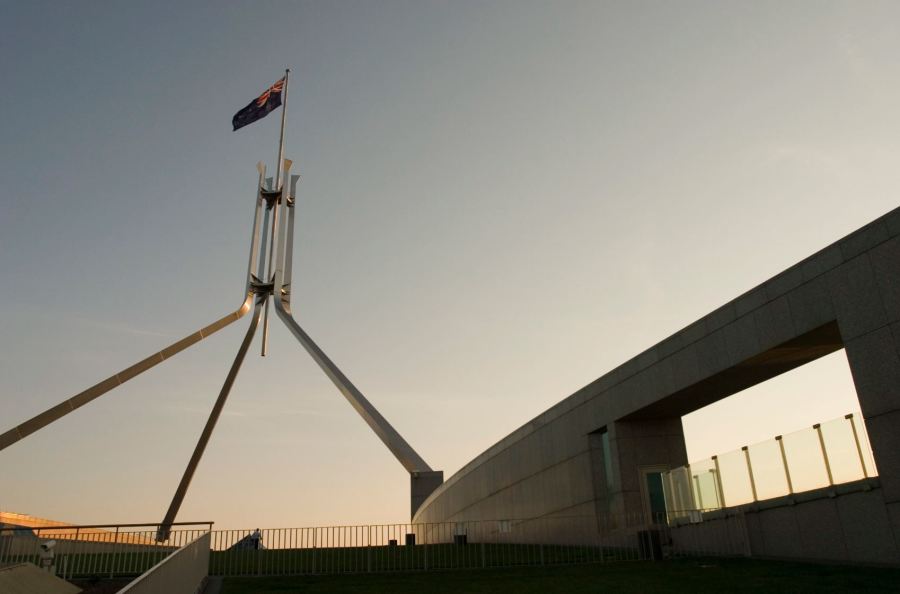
[[278, 186], [272, 279]]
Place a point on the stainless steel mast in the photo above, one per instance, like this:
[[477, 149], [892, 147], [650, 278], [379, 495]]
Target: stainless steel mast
[[279, 171]]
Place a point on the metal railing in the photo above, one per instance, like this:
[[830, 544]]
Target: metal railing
[[821, 456], [121, 551], [452, 545], [97, 550]]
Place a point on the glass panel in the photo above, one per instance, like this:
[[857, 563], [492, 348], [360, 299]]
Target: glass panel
[[703, 483], [694, 487], [679, 492], [768, 470], [804, 456], [667, 492], [843, 456], [735, 478]]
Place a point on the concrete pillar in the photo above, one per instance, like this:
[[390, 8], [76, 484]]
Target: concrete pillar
[[423, 484], [866, 294], [635, 444]]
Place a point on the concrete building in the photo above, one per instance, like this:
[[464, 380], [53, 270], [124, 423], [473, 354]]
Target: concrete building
[[597, 453]]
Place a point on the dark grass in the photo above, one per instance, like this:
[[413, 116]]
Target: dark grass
[[101, 586], [713, 575], [404, 558]]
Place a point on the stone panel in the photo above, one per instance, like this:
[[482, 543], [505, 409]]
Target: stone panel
[[624, 450], [719, 317], [741, 339], [637, 391], [694, 332], [863, 239], [820, 530], [856, 299], [875, 366], [785, 282], [669, 346], [821, 262], [885, 440], [810, 305], [893, 511], [886, 268], [677, 450], [755, 535], [685, 367], [892, 221], [646, 359], [780, 535], [749, 301], [774, 323], [712, 354], [866, 528], [606, 381]]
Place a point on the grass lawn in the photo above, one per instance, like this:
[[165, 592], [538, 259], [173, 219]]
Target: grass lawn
[[711, 575]]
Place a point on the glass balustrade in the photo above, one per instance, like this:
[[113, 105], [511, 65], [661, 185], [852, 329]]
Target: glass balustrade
[[820, 456]]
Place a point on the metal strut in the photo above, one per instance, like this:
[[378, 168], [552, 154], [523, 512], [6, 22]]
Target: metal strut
[[166, 525], [398, 446], [264, 199], [55, 413]]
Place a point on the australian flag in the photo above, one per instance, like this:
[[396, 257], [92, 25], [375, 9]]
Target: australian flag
[[259, 107]]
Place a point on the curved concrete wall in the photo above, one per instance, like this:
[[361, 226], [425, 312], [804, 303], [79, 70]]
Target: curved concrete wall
[[846, 295]]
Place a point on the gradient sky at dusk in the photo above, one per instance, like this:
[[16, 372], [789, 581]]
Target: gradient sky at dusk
[[501, 201]]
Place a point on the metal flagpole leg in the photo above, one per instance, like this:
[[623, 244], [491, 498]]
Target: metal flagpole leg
[[423, 480], [62, 409], [393, 440], [166, 525], [408, 457]]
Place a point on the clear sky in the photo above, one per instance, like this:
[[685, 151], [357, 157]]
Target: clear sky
[[501, 201]]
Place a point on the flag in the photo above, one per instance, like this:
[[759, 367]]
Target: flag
[[259, 107]]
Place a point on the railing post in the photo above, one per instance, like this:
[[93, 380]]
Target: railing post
[[746, 450], [787, 472], [721, 493], [115, 555], [687, 472], [862, 462], [818, 428], [74, 547]]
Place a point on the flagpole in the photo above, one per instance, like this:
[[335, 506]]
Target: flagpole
[[278, 187]]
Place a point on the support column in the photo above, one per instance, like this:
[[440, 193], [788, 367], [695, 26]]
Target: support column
[[423, 484], [866, 294], [635, 444]]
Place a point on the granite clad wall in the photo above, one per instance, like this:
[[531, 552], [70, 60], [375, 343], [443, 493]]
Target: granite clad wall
[[846, 295]]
